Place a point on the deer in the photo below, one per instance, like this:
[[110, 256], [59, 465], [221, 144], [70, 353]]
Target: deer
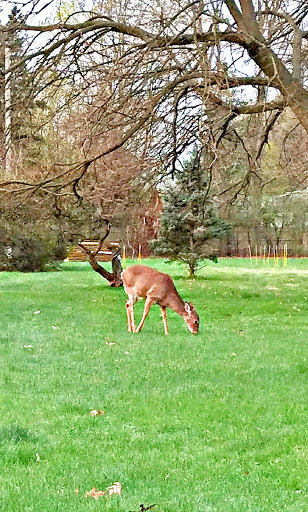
[[141, 281]]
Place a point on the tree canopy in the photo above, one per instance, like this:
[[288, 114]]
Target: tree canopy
[[157, 76]]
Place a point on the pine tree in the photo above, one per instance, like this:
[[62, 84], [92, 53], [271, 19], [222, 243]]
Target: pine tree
[[189, 218]]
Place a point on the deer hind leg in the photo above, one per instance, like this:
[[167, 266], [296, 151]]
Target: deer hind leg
[[148, 304], [164, 315]]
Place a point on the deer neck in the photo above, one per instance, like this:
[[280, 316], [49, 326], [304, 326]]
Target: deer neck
[[177, 304]]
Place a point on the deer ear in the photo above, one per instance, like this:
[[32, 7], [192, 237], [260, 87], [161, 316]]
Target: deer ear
[[187, 308]]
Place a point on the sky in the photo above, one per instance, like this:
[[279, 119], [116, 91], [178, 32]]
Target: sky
[[44, 8]]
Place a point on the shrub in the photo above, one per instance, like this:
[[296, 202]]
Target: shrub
[[24, 254]]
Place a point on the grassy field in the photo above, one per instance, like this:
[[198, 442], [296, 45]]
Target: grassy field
[[214, 422]]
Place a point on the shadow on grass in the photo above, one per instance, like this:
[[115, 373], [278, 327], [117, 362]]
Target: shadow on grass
[[16, 434]]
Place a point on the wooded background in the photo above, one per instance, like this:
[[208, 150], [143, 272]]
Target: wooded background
[[103, 102]]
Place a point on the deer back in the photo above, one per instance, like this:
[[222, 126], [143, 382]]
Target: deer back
[[143, 281]]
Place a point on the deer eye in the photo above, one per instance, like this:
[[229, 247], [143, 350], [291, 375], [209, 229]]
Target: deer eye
[[196, 322]]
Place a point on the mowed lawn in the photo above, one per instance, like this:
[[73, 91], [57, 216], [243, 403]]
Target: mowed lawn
[[214, 422]]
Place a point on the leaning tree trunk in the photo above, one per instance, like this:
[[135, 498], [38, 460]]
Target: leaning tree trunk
[[114, 278]]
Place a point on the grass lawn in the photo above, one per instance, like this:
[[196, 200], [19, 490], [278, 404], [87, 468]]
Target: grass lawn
[[214, 422]]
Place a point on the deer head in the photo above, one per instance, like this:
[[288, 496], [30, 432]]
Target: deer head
[[191, 318]]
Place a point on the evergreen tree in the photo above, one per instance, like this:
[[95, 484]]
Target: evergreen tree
[[189, 218]]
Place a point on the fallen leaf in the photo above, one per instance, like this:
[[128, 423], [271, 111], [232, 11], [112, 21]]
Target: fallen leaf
[[109, 344], [28, 346], [97, 412], [54, 327], [115, 488], [37, 458], [94, 494], [36, 312]]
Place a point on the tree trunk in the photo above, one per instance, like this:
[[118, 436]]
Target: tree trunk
[[114, 278], [117, 268], [8, 114], [192, 260], [192, 269]]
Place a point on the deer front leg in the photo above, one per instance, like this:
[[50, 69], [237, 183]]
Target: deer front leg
[[130, 313], [164, 315], [129, 316], [148, 304]]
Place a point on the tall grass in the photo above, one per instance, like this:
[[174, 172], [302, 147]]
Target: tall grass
[[214, 422]]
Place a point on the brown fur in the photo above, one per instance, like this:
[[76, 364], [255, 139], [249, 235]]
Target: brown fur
[[141, 281]]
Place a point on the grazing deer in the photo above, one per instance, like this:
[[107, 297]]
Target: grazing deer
[[155, 287]]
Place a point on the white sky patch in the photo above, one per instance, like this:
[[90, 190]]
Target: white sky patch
[[37, 10]]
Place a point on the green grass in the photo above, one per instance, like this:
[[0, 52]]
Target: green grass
[[214, 422]]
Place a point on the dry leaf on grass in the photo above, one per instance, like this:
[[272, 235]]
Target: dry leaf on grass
[[97, 412], [94, 494], [114, 489], [143, 508]]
